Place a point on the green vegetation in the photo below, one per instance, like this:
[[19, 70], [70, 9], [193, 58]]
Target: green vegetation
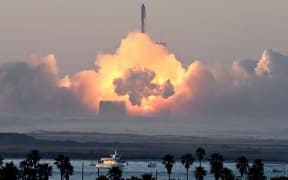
[[227, 174], [29, 169], [200, 153], [9, 171], [168, 161], [199, 173], [147, 177], [63, 164], [256, 172], [32, 169], [216, 165], [114, 173], [187, 160], [242, 164], [1, 161]]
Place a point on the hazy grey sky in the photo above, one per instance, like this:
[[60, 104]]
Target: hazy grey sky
[[75, 31]]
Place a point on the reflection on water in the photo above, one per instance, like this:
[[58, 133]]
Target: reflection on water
[[137, 168]]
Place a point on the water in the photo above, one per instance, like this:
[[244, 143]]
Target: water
[[137, 168]]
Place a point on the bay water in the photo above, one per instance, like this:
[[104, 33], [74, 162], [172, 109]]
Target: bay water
[[139, 167]]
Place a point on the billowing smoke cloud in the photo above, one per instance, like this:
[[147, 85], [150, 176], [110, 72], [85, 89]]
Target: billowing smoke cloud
[[248, 89], [137, 84], [167, 89], [142, 76], [272, 64], [32, 87]]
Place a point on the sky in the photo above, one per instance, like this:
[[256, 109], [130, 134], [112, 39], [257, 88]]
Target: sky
[[76, 31], [224, 60]]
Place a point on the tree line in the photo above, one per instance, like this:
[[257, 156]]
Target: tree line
[[216, 162], [32, 169]]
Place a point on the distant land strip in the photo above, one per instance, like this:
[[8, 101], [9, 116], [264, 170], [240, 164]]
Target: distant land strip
[[137, 147]]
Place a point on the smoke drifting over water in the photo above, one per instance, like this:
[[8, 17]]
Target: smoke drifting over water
[[150, 81]]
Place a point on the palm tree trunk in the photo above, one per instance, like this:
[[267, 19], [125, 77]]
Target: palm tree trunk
[[169, 176], [187, 173]]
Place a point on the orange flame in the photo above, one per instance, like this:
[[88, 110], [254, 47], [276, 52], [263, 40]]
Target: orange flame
[[136, 51]]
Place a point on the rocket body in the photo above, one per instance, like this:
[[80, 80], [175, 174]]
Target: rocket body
[[143, 18]]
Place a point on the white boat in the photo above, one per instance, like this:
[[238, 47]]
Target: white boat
[[113, 161]]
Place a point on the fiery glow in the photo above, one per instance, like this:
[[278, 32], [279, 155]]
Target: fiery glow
[[150, 74]]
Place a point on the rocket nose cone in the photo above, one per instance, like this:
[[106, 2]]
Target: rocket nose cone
[[143, 9]]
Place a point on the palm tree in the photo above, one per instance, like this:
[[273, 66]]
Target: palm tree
[[216, 165], [102, 178], [168, 161], [29, 166], [68, 170], [147, 177], [25, 170], [134, 178], [34, 157], [59, 162], [227, 174], [114, 173], [1, 161], [9, 172], [32, 169], [187, 160], [199, 173], [200, 153], [44, 171], [63, 164], [242, 165], [257, 170]]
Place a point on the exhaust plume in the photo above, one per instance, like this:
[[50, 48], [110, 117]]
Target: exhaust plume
[[145, 79], [137, 84]]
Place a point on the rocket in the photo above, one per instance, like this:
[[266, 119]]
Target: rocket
[[143, 18]]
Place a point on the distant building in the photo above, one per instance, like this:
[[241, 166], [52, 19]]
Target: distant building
[[108, 109]]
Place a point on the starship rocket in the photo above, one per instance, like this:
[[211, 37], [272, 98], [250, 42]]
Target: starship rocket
[[143, 18]]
